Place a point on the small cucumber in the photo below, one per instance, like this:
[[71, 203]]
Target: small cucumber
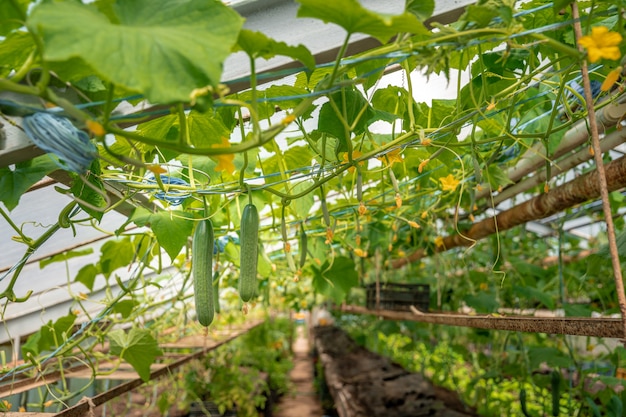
[[202, 257], [522, 400], [249, 239], [303, 245], [216, 291]]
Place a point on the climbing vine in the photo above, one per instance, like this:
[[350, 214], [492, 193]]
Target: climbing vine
[[354, 175]]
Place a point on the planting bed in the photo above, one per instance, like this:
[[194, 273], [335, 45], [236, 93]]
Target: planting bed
[[363, 383]]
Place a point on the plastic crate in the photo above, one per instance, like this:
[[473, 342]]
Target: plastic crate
[[399, 297]]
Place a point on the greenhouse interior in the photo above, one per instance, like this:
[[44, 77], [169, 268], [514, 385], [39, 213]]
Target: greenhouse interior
[[311, 208]]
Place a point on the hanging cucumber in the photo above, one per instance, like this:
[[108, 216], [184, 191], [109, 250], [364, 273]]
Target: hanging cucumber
[[202, 257], [303, 245], [249, 239], [216, 291], [522, 400]]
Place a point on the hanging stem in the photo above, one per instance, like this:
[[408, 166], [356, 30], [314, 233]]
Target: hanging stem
[[604, 192]]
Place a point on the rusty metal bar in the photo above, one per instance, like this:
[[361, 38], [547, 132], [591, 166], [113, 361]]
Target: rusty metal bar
[[574, 326], [579, 190], [86, 405]]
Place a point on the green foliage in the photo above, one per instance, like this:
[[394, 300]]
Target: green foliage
[[50, 336], [335, 279], [171, 231], [258, 45], [137, 347], [354, 18], [208, 29], [14, 182]]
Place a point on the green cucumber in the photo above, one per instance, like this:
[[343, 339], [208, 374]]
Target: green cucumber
[[249, 240], [202, 258], [303, 245], [522, 400], [216, 291]]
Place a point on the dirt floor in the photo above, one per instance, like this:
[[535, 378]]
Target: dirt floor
[[365, 384], [304, 401]]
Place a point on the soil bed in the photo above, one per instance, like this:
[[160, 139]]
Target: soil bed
[[365, 384]]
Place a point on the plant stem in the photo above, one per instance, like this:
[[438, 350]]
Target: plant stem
[[604, 193]]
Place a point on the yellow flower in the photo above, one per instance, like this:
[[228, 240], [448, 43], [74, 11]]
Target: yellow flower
[[329, 236], [156, 169], [355, 155], [96, 128], [225, 161], [391, 157], [422, 164], [398, 200], [362, 208], [424, 214], [288, 119], [413, 224], [360, 253], [426, 141], [601, 44], [449, 183], [439, 241], [611, 78]]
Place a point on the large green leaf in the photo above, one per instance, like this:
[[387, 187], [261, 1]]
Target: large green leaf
[[530, 294], [161, 48], [14, 51], [351, 104], [15, 182], [206, 130], [89, 189], [301, 206], [137, 347], [50, 335], [552, 356], [483, 302], [354, 18], [87, 275], [258, 45], [64, 256], [171, 230], [115, 254], [11, 14], [335, 279], [423, 9], [293, 158]]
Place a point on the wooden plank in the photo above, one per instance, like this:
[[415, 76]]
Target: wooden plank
[[575, 326]]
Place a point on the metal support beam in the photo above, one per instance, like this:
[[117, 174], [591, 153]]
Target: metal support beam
[[584, 188], [575, 326]]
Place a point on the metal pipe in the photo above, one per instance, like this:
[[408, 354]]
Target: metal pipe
[[575, 326], [577, 191]]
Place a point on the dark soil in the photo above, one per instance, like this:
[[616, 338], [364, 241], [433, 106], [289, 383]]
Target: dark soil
[[365, 384]]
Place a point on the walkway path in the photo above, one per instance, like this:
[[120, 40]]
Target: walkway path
[[303, 402]]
